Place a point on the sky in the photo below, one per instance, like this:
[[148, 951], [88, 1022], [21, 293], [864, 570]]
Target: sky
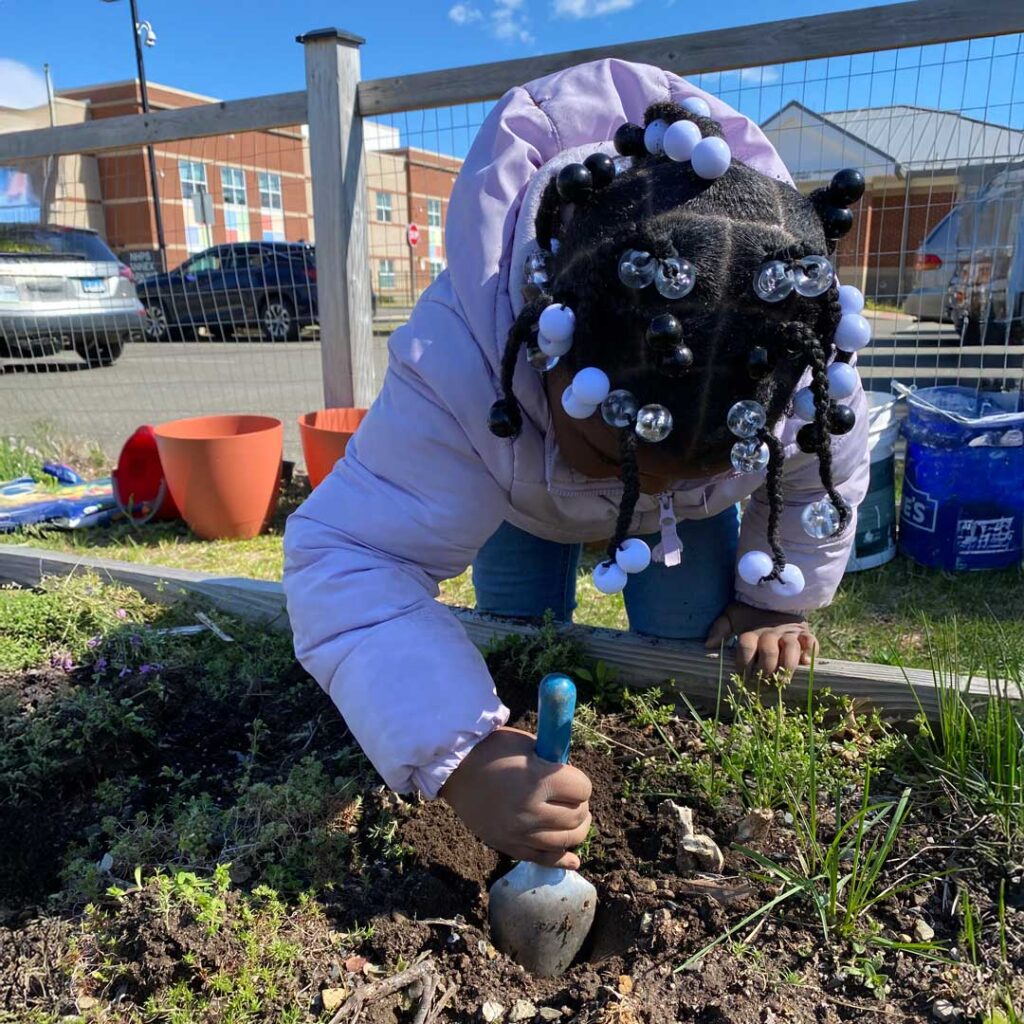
[[236, 48]]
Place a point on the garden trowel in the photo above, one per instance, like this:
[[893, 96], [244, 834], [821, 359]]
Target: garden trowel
[[541, 916]]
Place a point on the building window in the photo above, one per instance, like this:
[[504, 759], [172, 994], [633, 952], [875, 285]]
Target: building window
[[270, 191], [193, 178], [436, 266], [384, 207], [433, 213], [386, 275], [232, 180]]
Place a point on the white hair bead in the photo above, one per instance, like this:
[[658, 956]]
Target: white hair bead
[[553, 349], [654, 136], [803, 405], [853, 333], [695, 105], [790, 583], [557, 323], [609, 578], [633, 555], [591, 385], [842, 381], [754, 566], [711, 158], [851, 300], [681, 137], [574, 407]]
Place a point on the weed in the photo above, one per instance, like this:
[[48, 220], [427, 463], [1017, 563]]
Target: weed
[[533, 657]]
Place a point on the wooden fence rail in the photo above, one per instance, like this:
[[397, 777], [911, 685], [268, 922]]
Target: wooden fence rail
[[640, 661]]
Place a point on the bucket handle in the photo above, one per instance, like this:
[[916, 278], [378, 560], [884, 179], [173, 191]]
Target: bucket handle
[[153, 509], [911, 394]]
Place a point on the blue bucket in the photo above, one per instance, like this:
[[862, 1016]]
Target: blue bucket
[[963, 494]]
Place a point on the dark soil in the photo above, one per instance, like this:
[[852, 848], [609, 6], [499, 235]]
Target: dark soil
[[423, 893]]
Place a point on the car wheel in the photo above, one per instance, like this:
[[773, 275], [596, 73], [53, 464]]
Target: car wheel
[[277, 320], [155, 326], [100, 351]]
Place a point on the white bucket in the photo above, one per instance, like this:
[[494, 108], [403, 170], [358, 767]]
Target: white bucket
[[875, 543]]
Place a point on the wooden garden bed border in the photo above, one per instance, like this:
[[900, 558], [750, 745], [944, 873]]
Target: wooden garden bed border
[[898, 693]]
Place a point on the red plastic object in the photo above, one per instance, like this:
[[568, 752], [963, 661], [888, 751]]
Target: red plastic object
[[139, 484]]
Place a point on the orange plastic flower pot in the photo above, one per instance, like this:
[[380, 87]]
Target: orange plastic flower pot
[[325, 435], [224, 472]]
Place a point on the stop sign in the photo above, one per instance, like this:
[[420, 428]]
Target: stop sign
[[414, 234]]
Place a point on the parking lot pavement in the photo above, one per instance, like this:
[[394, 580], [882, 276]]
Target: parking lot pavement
[[152, 383]]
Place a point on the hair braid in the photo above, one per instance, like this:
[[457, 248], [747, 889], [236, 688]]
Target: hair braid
[[629, 473], [548, 212], [518, 336], [776, 500]]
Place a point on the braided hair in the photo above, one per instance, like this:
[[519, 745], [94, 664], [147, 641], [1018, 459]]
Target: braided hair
[[694, 353]]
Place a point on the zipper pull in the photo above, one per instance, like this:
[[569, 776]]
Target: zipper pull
[[670, 549]]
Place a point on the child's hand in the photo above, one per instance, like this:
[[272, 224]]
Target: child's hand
[[768, 641], [518, 804]]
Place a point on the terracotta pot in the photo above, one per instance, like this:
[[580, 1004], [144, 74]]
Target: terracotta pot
[[325, 435], [224, 472]]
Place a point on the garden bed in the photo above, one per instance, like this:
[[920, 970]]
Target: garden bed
[[189, 834]]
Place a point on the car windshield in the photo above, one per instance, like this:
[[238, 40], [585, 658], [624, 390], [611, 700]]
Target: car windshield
[[36, 240]]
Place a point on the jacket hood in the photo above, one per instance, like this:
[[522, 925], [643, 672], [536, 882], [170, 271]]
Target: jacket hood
[[532, 131]]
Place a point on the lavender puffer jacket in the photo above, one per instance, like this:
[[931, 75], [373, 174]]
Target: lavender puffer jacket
[[424, 484]]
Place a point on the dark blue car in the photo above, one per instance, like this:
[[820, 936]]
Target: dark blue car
[[243, 286]]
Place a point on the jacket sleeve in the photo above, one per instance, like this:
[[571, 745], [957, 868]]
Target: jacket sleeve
[[408, 506], [822, 562]]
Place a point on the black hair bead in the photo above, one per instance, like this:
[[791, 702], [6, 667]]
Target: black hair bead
[[807, 439], [629, 140], [759, 363], [841, 419], [574, 183], [676, 361], [502, 422], [664, 332], [836, 221], [846, 188], [602, 169]]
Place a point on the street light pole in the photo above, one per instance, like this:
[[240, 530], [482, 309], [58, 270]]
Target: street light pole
[[144, 90]]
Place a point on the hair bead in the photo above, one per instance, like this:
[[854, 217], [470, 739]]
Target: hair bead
[[574, 183], [696, 105], [602, 169], [711, 158], [629, 140]]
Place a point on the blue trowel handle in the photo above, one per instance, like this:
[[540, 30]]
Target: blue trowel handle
[[556, 704]]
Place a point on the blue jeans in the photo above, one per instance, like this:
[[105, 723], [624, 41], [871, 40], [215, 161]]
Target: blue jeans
[[517, 575]]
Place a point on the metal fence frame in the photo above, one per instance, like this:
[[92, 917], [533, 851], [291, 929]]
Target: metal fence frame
[[336, 99]]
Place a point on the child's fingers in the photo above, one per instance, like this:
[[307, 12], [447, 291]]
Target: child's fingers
[[551, 817], [558, 840], [565, 785], [566, 860], [746, 651], [768, 653], [791, 652], [721, 630]]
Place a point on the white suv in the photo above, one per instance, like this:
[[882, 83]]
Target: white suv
[[63, 288]]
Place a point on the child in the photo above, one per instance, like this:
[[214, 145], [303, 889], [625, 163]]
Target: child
[[640, 326]]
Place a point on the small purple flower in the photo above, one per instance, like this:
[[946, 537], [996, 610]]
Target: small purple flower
[[145, 669], [66, 663], [135, 639], [101, 663], [121, 613], [93, 641], [124, 672]]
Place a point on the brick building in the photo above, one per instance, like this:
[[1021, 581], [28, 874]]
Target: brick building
[[918, 162]]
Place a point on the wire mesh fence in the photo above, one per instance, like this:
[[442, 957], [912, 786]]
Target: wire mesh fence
[[220, 314]]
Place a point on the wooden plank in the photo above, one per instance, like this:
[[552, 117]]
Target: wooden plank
[[779, 42], [340, 213], [280, 110], [899, 693]]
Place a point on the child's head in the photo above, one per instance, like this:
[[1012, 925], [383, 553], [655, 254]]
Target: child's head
[[698, 292]]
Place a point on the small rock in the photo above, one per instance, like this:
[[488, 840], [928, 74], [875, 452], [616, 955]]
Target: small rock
[[923, 931], [332, 998], [549, 1013], [625, 984], [87, 1002], [523, 1009], [492, 1010], [105, 864], [702, 852], [754, 825], [944, 1010], [646, 885]]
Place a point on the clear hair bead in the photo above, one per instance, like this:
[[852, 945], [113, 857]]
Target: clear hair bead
[[637, 268], [746, 418], [820, 519], [619, 409], [749, 456], [813, 276], [653, 423], [773, 282], [674, 278], [539, 359]]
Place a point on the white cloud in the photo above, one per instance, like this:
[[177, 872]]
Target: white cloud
[[758, 76], [590, 8], [20, 85], [463, 14]]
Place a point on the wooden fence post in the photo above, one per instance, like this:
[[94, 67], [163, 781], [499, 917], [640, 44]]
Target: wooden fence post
[[339, 212]]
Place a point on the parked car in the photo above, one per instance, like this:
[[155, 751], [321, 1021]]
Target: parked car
[[987, 290], [270, 286], [934, 265], [63, 288]]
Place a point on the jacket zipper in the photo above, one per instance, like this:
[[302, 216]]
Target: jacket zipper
[[670, 550]]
